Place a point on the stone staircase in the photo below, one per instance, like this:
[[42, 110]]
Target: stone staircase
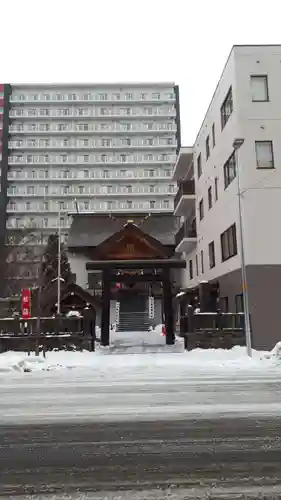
[[133, 321]]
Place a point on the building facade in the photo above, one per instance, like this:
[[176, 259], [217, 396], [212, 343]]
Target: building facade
[[246, 106], [86, 149]]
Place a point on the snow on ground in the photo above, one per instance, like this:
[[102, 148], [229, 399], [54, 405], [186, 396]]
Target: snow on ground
[[87, 386], [143, 357]]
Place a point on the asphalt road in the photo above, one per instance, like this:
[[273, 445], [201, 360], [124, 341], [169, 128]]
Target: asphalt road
[[241, 454]]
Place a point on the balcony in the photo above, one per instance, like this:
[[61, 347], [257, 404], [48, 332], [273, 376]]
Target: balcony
[[183, 168], [186, 238], [184, 201]]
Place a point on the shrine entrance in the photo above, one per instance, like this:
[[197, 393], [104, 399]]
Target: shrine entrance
[[132, 263]]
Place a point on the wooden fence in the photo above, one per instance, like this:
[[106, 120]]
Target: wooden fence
[[55, 333], [212, 330]]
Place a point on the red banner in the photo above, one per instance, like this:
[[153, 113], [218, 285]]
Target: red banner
[[25, 304], [1, 87]]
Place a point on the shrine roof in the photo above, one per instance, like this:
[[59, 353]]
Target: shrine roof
[[91, 230]]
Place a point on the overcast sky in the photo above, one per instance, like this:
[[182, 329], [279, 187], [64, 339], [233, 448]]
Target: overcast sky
[[186, 41]]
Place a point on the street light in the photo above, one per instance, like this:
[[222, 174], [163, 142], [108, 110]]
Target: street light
[[237, 143], [59, 262]]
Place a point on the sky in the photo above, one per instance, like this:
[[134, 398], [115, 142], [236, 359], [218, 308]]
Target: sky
[[183, 41]]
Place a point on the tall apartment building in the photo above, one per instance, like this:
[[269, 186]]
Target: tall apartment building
[[246, 105], [87, 148]]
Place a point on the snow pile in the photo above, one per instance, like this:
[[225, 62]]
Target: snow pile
[[143, 358]]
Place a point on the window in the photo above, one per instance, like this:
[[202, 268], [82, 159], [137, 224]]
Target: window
[[226, 108], [199, 166], [196, 265], [216, 188], [129, 204], [46, 206], [264, 154], [166, 204], [86, 174], [30, 189], [152, 204], [27, 205], [81, 189], [224, 306], [86, 205], [201, 209], [190, 270], [202, 261], [207, 147], [259, 88], [109, 205], [229, 170], [228, 243], [213, 135], [212, 259], [86, 158], [239, 304], [210, 197]]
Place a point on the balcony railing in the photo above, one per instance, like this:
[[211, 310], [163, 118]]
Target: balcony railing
[[187, 230], [185, 188]]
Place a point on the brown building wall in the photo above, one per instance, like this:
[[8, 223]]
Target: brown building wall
[[264, 288]]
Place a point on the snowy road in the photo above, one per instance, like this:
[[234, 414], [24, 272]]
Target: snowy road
[[77, 396], [140, 386], [196, 455], [200, 421]]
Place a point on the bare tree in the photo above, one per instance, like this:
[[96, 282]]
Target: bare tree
[[22, 260]]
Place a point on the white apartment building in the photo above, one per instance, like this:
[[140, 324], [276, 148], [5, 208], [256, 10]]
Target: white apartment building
[[246, 105], [84, 148], [90, 148]]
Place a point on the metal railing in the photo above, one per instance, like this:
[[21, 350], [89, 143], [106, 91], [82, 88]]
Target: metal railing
[[187, 230], [185, 188]]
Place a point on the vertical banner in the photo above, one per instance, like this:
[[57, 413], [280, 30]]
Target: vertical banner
[[25, 304]]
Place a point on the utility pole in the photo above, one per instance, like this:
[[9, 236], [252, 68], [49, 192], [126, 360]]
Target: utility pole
[[59, 262], [236, 146]]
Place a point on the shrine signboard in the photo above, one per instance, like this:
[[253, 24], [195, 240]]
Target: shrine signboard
[[26, 304]]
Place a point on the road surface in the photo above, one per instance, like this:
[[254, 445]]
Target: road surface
[[174, 455], [146, 436]]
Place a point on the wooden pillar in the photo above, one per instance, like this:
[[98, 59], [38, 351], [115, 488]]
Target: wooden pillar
[[105, 308], [168, 307]]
